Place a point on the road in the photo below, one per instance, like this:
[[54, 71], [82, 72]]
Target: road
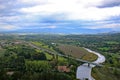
[[67, 56], [84, 71]]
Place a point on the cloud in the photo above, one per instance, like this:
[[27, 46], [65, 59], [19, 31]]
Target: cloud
[[49, 27], [109, 3], [32, 2], [54, 14], [2, 6], [105, 26], [74, 9], [52, 27], [8, 27]]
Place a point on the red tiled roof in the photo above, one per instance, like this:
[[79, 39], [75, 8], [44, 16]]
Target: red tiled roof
[[63, 69]]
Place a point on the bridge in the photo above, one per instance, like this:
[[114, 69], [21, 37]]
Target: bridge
[[81, 60]]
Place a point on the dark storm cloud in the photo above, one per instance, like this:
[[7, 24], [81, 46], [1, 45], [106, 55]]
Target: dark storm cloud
[[109, 3]]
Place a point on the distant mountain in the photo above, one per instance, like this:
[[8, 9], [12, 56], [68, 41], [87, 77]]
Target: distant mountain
[[113, 32], [108, 33], [61, 31]]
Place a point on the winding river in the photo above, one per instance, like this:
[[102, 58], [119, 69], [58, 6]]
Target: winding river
[[84, 71]]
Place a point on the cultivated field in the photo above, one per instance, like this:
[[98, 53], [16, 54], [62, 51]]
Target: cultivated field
[[77, 52]]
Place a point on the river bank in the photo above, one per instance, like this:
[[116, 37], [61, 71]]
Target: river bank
[[84, 71]]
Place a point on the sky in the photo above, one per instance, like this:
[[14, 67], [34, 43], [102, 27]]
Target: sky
[[60, 16]]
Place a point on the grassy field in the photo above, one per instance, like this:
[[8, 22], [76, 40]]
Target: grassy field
[[49, 57], [105, 74], [40, 44], [77, 52]]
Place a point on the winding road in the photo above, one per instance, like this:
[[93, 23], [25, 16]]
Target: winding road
[[84, 71]]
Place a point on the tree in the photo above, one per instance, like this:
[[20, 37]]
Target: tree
[[39, 56]]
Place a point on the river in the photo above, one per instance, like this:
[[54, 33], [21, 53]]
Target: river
[[84, 71]]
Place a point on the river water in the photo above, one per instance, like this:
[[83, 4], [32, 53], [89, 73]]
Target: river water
[[84, 71]]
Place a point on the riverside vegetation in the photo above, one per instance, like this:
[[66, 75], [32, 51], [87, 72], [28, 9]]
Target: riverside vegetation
[[19, 60]]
